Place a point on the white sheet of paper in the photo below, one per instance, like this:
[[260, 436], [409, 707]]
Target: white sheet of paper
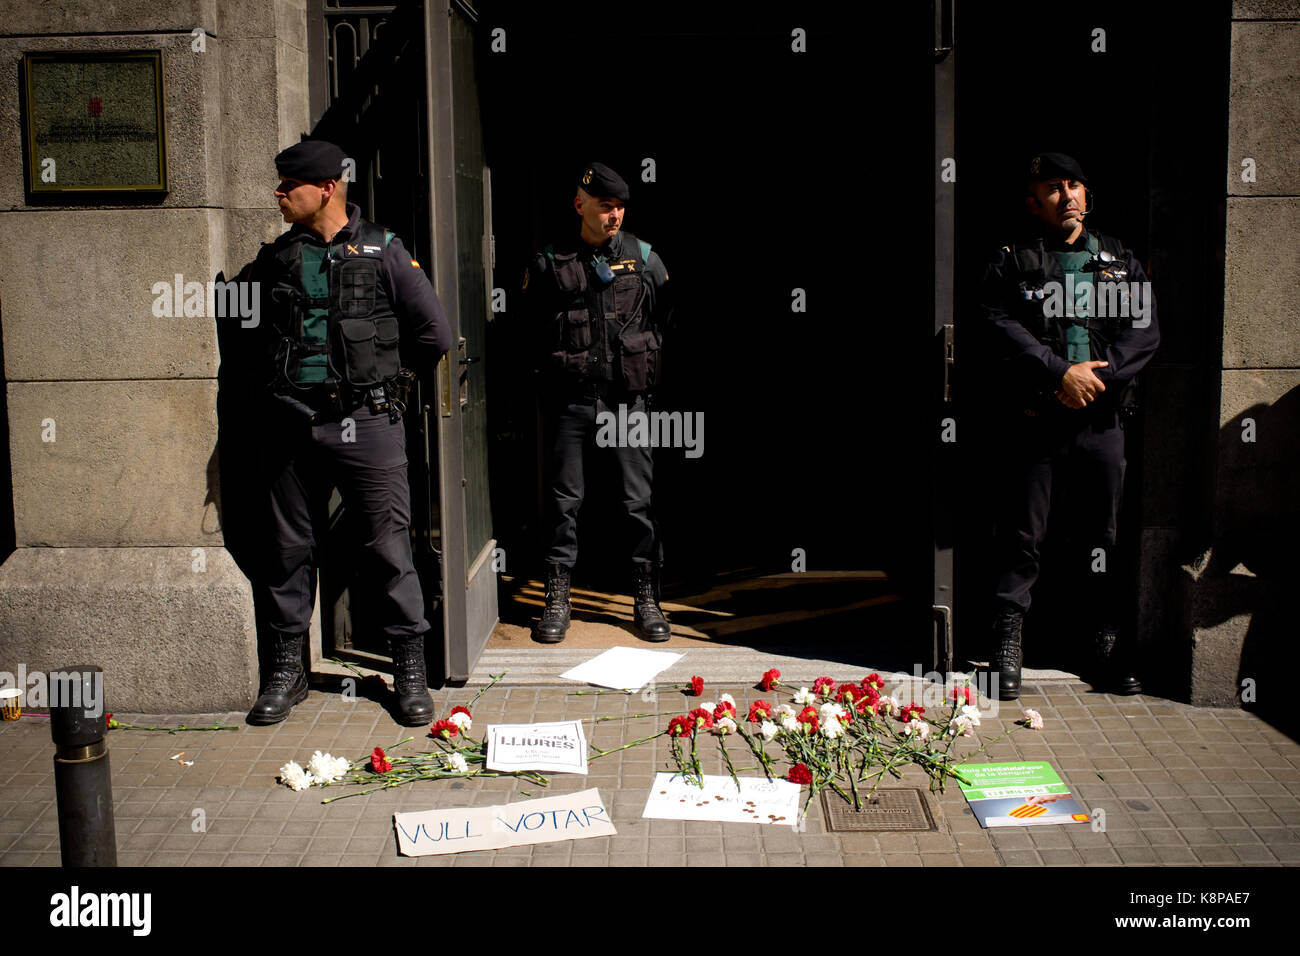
[[570, 816], [759, 800], [624, 668], [557, 747]]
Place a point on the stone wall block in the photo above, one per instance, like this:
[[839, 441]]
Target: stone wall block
[[131, 463]]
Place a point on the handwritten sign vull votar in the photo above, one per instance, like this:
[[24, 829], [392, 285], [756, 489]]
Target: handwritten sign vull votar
[[556, 747], [570, 816]]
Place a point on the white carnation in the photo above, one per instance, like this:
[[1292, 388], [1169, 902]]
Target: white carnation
[[917, 728], [832, 711], [832, 728], [767, 729], [971, 713], [326, 769], [805, 697], [455, 762], [292, 775], [727, 699], [888, 705], [789, 722], [961, 726], [461, 720], [724, 725], [785, 710]]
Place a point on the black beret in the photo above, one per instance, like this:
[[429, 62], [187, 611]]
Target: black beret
[[311, 160], [1051, 165], [600, 181]]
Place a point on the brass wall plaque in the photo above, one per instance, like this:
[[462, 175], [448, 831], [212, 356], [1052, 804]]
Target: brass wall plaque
[[94, 122]]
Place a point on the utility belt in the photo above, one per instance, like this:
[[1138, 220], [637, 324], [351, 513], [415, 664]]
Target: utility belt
[[334, 401], [589, 391]]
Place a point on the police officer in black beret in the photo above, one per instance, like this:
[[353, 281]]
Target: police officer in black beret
[[1073, 320], [338, 295], [597, 310]]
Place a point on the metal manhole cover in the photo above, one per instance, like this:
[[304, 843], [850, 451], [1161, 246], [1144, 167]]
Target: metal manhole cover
[[900, 808]]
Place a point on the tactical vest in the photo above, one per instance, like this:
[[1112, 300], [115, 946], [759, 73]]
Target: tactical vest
[[604, 336], [332, 313], [1027, 266]]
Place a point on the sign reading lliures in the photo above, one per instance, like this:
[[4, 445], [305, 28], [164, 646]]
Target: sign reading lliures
[[94, 122]]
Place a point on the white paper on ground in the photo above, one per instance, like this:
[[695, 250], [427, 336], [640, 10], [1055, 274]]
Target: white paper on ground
[[624, 668], [759, 800], [556, 747], [570, 816]]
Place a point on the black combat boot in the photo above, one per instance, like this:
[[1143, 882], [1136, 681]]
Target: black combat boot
[[1006, 659], [555, 618], [649, 619], [411, 681], [287, 684], [1114, 670]]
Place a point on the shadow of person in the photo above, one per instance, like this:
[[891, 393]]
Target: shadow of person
[[1255, 550], [237, 485]]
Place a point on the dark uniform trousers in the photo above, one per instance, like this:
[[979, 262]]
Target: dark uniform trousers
[[572, 440], [1052, 463], [304, 462]]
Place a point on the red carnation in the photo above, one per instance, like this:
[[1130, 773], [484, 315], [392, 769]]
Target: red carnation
[[868, 704], [910, 711], [824, 686], [770, 679], [446, 729], [759, 711], [462, 710], [960, 694], [799, 774], [680, 727], [701, 718], [808, 717], [697, 686], [109, 722], [378, 762], [873, 680], [848, 694], [724, 709]]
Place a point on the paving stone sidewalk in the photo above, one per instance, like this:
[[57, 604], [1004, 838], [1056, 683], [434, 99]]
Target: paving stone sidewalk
[[1179, 785]]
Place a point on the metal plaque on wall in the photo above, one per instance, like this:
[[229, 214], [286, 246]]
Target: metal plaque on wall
[[93, 122]]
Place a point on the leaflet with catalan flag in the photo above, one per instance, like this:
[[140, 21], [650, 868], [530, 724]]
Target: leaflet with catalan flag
[[1019, 795]]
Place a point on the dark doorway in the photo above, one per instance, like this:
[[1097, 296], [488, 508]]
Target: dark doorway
[[774, 170]]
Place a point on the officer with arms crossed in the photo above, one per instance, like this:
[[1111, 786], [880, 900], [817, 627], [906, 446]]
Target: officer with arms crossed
[[1071, 350], [338, 293], [597, 310]]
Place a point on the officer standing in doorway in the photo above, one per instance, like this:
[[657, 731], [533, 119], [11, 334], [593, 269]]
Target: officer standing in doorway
[[597, 310], [1071, 315], [338, 293]]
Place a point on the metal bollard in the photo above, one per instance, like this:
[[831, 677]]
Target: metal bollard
[[82, 783]]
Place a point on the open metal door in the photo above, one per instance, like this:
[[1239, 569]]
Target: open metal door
[[944, 416], [460, 221]]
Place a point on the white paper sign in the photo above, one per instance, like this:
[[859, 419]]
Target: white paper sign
[[558, 747], [624, 668], [570, 816], [759, 800]]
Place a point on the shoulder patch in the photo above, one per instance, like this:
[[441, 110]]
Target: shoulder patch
[[389, 236], [645, 250]]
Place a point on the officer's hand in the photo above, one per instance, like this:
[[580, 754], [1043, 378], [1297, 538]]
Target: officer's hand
[[1080, 384]]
